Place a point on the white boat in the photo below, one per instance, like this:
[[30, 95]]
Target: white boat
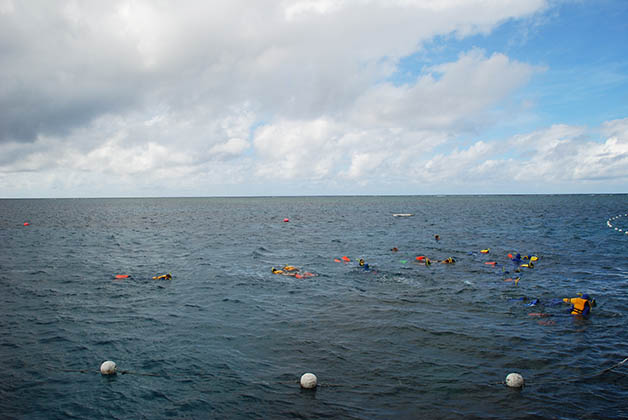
[[403, 214]]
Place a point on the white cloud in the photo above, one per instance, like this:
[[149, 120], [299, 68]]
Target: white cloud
[[233, 146], [173, 97], [449, 95]]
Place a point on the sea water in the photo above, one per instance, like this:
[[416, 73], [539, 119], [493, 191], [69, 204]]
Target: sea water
[[226, 338]]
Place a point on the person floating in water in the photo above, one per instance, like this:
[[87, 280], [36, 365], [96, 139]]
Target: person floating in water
[[437, 237], [580, 305], [363, 264], [394, 249], [286, 271], [449, 260]]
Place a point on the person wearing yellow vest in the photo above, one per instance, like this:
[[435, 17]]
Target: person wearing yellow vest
[[580, 305]]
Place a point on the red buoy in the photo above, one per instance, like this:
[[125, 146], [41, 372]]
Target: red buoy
[[26, 224], [286, 220]]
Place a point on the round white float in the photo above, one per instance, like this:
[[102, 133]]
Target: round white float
[[514, 380], [308, 381], [108, 368]]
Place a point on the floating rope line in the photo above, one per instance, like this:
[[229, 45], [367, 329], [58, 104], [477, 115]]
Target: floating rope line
[[519, 381], [121, 372], [572, 378], [579, 378], [610, 225]]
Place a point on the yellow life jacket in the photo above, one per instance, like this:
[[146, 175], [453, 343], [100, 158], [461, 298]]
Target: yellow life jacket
[[579, 305], [290, 268]]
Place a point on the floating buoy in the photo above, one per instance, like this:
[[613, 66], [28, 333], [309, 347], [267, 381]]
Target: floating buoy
[[26, 224], [514, 380], [286, 220], [346, 259], [337, 260], [420, 258], [308, 381], [122, 276], [108, 368], [493, 263], [485, 251]]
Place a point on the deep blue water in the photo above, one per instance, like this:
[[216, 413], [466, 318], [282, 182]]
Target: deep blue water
[[225, 338]]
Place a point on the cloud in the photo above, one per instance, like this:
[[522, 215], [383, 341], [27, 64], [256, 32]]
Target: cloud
[[166, 98], [446, 96]]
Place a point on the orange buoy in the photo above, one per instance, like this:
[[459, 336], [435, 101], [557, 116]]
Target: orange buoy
[[420, 258], [337, 260], [122, 276], [490, 263], [346, 259], [26, 224]]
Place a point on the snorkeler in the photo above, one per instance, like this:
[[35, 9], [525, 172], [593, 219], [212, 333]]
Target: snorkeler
[[580, 305], [287, 270]]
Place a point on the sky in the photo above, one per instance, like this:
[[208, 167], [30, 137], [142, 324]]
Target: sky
[[163, 98]]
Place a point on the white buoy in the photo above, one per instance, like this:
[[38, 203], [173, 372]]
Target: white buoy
[[108, 368], [308, 381], [514, 380]]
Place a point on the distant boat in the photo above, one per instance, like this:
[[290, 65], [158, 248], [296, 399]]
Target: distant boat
[[403, 214]]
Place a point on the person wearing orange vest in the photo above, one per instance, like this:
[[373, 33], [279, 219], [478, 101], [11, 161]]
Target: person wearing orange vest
[[580, 305]]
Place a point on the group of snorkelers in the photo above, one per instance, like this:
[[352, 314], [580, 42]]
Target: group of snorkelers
[[580, 305]]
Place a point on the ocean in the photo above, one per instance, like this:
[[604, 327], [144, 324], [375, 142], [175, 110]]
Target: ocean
[[227, 338]]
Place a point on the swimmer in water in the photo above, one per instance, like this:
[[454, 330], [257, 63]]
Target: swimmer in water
[[580, 305]]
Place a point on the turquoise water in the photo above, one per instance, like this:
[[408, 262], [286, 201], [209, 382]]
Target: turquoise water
[[225, 338]]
